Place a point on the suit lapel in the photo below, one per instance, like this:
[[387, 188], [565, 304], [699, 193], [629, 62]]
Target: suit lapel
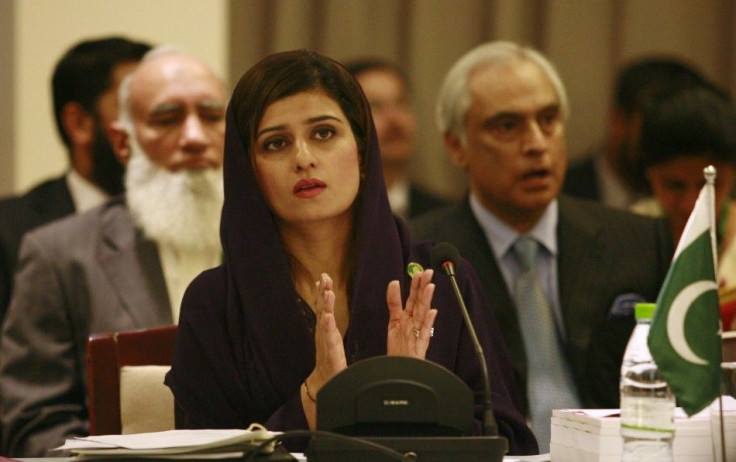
[[473, 245], [132, 265], [579, 269]]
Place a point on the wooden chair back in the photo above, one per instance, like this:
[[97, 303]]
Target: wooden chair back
[[106, 355]]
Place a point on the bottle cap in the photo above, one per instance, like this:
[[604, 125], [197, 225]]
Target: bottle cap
[[644, 310]]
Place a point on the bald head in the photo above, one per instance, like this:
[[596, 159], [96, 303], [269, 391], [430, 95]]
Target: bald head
[[173, 106]]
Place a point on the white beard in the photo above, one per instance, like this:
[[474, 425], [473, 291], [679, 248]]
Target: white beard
[[178, 209]]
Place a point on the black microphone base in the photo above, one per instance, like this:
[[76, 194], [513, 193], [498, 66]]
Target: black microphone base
[[427, 449]]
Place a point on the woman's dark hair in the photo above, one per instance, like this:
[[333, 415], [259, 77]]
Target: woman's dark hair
[[284, 74], [688, 121]]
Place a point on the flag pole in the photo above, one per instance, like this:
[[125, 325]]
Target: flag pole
[[709, 173]]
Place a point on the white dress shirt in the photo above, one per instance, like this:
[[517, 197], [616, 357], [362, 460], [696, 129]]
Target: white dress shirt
[[85, 194]]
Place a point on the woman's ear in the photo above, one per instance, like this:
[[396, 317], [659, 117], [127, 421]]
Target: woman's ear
[[120, 141], [78, 124]]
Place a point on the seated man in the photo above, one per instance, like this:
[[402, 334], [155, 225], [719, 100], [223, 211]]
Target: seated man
[[561, 274], [123, 265], [85, 90], [612, 173], [387, 89]]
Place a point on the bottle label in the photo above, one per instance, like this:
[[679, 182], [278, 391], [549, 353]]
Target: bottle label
[[647, 414]]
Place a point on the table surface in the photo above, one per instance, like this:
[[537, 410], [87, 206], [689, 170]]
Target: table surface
[[301, 458]]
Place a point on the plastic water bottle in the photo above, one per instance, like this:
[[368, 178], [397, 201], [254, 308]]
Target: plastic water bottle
[[647, 403]]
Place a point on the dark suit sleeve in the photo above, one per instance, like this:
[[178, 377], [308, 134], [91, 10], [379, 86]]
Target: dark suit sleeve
[[42, 396]]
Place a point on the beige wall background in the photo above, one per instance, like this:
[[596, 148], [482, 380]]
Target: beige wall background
[[587, 39]]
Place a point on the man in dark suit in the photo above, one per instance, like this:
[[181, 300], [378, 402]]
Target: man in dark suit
[[502, 112], [387, 89], [120, 266], [612, 173], [84, 86]]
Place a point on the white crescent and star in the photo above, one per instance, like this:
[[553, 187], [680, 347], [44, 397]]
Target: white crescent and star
[[676, 319]]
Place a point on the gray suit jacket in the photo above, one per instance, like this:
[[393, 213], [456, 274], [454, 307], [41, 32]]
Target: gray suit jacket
[[603, 254], [84, 274]]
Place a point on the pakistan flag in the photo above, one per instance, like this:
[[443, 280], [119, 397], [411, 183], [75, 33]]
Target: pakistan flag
[[684, 339]]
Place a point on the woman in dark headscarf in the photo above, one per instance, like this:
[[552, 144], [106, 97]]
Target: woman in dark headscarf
[[305, 202]]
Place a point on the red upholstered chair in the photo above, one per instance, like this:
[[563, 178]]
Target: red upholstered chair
[[727, 299], [108, 356], [728, 315]]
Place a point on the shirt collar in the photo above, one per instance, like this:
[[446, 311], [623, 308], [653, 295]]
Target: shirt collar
[[501, 237], [398, 197], [85, 194]]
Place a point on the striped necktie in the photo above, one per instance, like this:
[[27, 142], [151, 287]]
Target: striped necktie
[[549, 381]]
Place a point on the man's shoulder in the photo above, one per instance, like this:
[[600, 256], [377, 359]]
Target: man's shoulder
[[589, 209], [439, 219], [44, 202], [54, 189], [422, 201], [80, 227], [619, 228]]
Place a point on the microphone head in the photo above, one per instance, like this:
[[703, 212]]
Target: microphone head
[[444, 252]]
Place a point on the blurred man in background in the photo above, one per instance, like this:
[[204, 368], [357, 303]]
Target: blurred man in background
[[84, 87], [613, 173], [123, 265], [387, 89]]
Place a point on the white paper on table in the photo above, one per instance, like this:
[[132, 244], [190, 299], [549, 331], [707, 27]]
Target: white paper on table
[[539, 458], [169, 442]]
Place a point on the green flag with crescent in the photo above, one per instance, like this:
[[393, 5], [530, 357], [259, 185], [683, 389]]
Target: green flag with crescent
[[684, 339]]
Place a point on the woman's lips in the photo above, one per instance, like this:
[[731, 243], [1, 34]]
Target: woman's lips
[[309, 188]]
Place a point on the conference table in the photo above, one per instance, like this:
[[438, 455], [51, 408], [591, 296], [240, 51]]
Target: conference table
[[299, 458]]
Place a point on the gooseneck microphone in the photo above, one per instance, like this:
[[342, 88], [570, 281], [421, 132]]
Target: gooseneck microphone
[[445, 258]]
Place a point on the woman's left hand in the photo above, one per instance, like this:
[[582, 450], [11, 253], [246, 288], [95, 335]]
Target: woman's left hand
[[410, 327]]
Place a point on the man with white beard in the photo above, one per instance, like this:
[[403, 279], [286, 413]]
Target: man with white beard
[[124, 265]]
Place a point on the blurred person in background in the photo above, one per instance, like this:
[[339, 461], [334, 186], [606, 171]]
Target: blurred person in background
[[84, 89], [387, 89], [613, 174], [683, 131], [123, 265]]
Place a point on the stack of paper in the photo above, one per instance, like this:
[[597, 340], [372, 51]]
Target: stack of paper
[[592, 435], [172, 444]]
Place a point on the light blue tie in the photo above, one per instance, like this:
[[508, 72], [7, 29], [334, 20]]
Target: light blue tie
[[549, 381]]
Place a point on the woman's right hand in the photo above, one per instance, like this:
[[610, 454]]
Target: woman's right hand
[[329, 350]]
